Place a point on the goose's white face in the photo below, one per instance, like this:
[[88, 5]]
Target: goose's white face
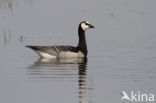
[[86, 25]]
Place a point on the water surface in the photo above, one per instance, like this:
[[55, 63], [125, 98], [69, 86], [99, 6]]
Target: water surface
[[122, 50]]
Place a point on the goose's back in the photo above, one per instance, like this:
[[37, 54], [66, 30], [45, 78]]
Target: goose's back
[[64, 51]]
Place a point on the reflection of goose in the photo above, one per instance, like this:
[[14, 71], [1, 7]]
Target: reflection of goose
[[125, 96], [65, 51], [54, 62], [83, 87], [64, 69]]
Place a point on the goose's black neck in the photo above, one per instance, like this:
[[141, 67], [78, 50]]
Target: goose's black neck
[[82, 45]]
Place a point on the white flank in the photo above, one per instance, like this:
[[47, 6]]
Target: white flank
[[69, 54], [45, 55], [84, 26]]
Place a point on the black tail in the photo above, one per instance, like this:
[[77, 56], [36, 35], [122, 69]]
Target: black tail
[[31, 47]]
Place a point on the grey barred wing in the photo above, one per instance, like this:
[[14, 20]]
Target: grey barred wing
[[54, 50]]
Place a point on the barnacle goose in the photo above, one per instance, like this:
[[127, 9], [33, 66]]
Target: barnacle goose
[[66, 51]]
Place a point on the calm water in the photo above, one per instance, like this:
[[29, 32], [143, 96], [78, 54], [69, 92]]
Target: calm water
[[122, 50]]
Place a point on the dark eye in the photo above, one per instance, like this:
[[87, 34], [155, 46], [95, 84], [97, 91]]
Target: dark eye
[[86, 23]]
